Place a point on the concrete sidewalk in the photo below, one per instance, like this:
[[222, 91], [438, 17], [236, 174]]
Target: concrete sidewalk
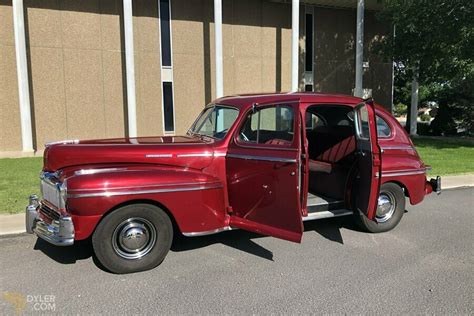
[[15, 224]]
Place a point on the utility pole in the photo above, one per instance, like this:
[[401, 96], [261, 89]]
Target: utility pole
[[414, 102]]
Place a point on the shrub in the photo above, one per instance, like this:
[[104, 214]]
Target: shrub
[[425, 117], [400, 109]]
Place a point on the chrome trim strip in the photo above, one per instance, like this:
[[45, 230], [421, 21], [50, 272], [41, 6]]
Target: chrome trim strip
[[186, 155], [274, 147], [401, 147], [63, 142], [94, 171], [107, 194], [262, 158], [148, 186], [158, 155], [209, 232], [396, 173], [195, 155], [326, 214]]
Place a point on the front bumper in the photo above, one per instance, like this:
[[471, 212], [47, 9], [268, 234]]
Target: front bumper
[[60, 232]]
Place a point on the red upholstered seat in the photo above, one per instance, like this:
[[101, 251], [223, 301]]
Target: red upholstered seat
[[277, 141], [339, 150], [327, 161], [320, 166]]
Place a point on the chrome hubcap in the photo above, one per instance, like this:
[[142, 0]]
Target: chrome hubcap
[[134, 238], [386, 207]]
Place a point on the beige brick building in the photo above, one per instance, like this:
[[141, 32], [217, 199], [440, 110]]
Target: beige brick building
[[76, 73]]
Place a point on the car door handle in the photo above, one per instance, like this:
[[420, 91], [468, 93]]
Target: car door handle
[[360, 153]]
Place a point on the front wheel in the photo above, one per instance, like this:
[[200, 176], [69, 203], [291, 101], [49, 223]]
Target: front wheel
[[133, 238], [390, 209]]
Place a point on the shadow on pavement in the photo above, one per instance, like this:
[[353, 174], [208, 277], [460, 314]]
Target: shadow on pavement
[[66, 255], [242, 240], [330, 228], [237, 239]]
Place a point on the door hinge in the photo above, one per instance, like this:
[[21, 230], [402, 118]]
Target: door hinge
[[230, 210], [376, 160]]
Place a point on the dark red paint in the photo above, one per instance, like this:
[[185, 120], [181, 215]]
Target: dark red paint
[[234, 195]]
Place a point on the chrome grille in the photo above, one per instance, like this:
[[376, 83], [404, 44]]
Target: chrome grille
[[49, 212], [51, 192]]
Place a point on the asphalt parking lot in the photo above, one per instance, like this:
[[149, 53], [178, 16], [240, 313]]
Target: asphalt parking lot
[[425, 265]]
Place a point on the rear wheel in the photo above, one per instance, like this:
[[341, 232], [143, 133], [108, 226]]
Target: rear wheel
[[133, 238], [390, 209]]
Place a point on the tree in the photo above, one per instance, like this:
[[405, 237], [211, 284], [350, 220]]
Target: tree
[[435, 37]]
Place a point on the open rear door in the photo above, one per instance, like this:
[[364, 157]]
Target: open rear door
[[369, 159], [262, 172]]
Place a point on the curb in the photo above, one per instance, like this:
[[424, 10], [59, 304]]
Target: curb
[[12, 224], [15, 224]]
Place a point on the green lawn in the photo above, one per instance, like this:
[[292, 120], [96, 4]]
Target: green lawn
[[19, 177], [447, 155]]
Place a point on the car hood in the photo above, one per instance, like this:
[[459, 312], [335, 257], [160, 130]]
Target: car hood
[[180, 151]]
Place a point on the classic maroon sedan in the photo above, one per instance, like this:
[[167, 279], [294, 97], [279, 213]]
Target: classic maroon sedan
[[263, 163]]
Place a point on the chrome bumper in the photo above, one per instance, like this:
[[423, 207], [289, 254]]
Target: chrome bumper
[[436, 184], [60, 232]]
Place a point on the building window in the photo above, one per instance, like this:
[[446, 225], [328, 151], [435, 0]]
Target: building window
[[166, 66], [165, 33], [309, 42], [168, 110]]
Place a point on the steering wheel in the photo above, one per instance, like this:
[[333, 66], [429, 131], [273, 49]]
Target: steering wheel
[[221, 133], [244, 136]]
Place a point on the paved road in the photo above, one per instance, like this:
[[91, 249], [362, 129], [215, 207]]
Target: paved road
[[426, 265]]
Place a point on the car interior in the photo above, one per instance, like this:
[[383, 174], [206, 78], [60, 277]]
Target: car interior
[[330, 132]]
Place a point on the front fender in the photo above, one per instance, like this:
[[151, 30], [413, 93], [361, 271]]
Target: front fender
[[195, 200]]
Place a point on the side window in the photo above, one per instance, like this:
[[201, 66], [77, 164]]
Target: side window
[[383, 130], [313, 121], [272, 126], [362, 124]]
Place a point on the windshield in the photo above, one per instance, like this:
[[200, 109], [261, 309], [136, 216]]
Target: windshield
[[215, 121]]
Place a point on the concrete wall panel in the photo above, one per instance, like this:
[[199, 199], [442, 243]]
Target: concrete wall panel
[[84, 88], [6, 20], [147, 68], [47, 84], [149, 117], [114, 93], [111, 24], [189, 91], [10, 130], [81, 25], [43, 25]]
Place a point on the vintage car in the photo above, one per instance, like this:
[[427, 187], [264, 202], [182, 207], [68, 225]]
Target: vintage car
[[262, 163]]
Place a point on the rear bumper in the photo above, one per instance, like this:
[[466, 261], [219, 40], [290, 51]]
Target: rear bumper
[[433, 185], [59, 232]]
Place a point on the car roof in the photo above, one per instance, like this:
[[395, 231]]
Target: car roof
[[245, 100]]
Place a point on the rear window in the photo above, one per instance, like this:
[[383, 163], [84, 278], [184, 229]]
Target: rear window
[[383, 130]]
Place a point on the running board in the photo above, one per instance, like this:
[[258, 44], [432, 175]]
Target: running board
[[320, 203], [326, 214]]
